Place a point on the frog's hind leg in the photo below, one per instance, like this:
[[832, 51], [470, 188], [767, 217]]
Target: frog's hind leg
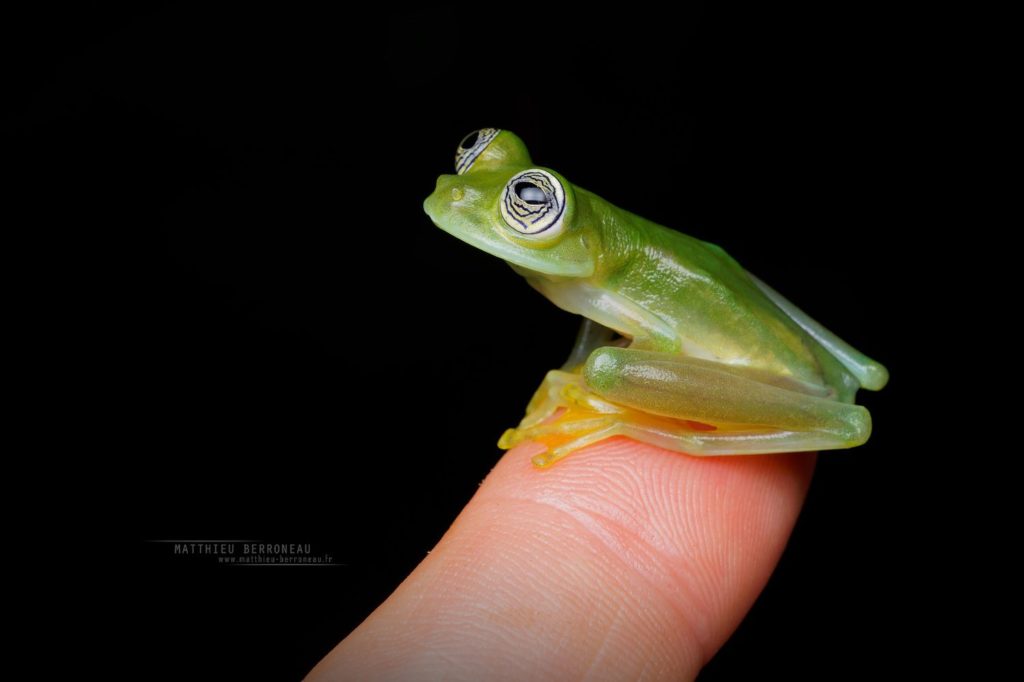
[[740, 413], [871, 375]]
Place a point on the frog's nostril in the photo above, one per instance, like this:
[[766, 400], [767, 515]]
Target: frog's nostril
[[457, 194]]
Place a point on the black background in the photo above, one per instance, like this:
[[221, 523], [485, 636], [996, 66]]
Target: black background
[[268, 340]]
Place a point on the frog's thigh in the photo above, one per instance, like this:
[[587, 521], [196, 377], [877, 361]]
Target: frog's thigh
[[753, 416]]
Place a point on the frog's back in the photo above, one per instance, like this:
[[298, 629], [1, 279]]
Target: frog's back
[[717, 309]]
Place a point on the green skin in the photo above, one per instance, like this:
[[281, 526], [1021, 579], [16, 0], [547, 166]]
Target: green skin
[[704, 340]]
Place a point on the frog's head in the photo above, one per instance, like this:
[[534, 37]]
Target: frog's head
[[499, 202]]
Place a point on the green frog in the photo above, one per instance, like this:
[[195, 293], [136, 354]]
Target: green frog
[[679, 347]]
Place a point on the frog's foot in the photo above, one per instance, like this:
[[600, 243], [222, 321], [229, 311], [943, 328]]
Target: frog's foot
[[574, 428], [569, 431], [564, 416], [549, 398], [585, 418]]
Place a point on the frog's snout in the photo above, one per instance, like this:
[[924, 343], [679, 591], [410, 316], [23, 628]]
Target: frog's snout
[[449, 189]]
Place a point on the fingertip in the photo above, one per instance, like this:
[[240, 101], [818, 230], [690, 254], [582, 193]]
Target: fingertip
[[710, 529], [622, 557]]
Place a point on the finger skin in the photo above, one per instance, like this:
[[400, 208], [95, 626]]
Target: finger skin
[[624, 561]]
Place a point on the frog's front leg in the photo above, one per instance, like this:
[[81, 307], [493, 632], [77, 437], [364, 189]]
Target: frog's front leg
[[562, 436], [744, 414], [590, 337], [550, 396], [582, 417]]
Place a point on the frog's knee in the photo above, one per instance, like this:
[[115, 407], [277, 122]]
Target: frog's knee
[[875, 376], [603, 369]]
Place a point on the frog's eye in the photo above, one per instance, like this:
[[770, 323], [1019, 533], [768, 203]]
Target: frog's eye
[[533, 203], [471, 146]]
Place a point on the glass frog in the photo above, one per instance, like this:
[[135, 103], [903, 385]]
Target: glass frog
[[679, 347]]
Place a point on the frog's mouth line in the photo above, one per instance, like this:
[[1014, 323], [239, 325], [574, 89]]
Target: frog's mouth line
[[485, 239], [520, 257]]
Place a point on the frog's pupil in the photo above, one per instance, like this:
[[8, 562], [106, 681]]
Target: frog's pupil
[[530, 193], [470, 139]]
